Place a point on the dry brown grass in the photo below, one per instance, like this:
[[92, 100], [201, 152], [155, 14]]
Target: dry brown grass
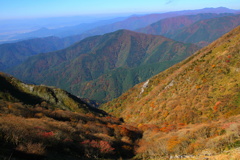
[[215, 138], [32, 148], [39, 131], [202, 88]]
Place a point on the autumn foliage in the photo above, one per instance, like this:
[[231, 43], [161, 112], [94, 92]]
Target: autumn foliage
[[37, 132]]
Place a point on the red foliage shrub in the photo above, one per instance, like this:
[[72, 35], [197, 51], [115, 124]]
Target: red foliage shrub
[[103, 146], [46, 134]]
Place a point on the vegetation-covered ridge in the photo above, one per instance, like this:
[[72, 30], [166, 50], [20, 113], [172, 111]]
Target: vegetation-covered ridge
[[13, 90], [205, 86], [191, 109], [206, 31], [170, 26], [37, 132], [40, 122], [96, 67]]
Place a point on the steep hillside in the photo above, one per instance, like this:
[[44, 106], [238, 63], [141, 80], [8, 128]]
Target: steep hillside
[[190, 110], [77, 68], [203, 87], [14, 90], [12, 54], [40, 122]]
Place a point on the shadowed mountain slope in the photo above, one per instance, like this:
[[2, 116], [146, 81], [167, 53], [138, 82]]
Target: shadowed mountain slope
[[40, 122], [14, 90]]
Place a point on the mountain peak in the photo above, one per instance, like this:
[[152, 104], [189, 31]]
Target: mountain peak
[[127, 32], [103, 56]]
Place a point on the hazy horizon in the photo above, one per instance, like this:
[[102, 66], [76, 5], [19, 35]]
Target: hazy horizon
[[26, 9]]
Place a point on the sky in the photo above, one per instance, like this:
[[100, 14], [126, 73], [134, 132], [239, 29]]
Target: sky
[[14, 9]]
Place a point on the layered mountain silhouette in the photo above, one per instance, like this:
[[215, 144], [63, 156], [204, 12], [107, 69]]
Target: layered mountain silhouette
[[137, 22], [63, 31], [108, 64], [98, 28], [203, 87]]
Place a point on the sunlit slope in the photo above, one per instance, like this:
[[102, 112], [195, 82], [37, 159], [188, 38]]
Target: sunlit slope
[[204, 87]]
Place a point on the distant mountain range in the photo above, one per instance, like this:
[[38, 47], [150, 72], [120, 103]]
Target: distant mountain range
[[169, 26], [137, 22], [103, 67], [16, 29], [102, 27], [166, 99], [205, 31], [200, 29], [63, 31], [12, 54]]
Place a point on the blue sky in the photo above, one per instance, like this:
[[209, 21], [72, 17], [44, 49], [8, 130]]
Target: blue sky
[[11, 9]]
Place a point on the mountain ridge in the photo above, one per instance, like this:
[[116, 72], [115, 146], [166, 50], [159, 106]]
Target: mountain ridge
[[136, 22], [15, 53], [209, 30], [42, 122], [94, 56], [158, 97], [199, 29], [192, 108], [14, 90], [167, 26]]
